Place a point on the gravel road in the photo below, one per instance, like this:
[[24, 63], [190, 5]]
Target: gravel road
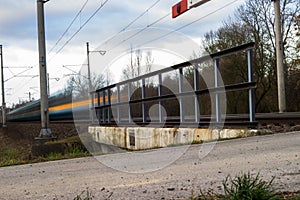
[[148, 174]]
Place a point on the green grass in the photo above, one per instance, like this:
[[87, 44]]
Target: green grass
[[75, 151], [246, 187], [22, 155], [14, 156], [72, 151], [54, 156]]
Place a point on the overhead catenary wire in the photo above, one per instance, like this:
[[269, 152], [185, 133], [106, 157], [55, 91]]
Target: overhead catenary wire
[[188, 24], [70, 25], [80, 28], [140, 31], [178, 29], [134, 20], [23, 83], [162, 18], [18, 74]]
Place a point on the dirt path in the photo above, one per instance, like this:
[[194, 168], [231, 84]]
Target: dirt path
[[273, 155]]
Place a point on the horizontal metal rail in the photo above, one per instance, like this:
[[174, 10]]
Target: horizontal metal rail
[[228, 88]]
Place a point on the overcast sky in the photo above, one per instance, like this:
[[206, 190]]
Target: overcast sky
[[18, 34]]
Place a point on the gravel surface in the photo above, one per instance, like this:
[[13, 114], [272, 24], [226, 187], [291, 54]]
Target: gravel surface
[[272, 155]]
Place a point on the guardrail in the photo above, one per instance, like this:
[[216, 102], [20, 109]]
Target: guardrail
[[127, 104]]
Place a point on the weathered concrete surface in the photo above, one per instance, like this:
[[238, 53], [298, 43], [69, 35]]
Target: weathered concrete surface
[[139, 138], [272, 155]]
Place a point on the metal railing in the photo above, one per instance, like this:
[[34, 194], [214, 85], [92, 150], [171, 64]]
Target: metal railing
[[127, 104]]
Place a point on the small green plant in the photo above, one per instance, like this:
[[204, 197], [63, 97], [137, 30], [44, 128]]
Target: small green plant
[[54, 156], [75, 149], [197, 141], [84, 195], [246, 187]]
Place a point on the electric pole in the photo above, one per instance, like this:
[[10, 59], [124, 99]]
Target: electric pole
[[3, 91], [45, 129], [279, 58], [90, 83], [88, 65], [90, 80]]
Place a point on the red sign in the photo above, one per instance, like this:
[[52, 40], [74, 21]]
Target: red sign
[[179, 8]]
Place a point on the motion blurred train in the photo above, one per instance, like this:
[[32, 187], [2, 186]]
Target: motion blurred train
[[61, 107]]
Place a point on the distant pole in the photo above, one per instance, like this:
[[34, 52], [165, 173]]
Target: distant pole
[[279, 58], [3, 91], [88, 65], [90, 83], [45, 129]]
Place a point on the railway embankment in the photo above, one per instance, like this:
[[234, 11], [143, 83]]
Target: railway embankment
[[17, 142], [17, 139]]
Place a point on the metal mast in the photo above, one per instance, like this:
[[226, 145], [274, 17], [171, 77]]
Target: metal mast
[[3, 91], [279, 58], [45, 130]]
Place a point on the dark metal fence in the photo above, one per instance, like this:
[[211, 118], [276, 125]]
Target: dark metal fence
[[127, 103]]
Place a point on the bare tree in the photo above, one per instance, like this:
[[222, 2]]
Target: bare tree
[[78, 85], [137, 65], [254, 21]]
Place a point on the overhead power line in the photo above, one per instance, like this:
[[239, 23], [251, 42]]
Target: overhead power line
[[133, 21], [140, 31], [188, 24], [178, 29], [72, 22], [80, 28]]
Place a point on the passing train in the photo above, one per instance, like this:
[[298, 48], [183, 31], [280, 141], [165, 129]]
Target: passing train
[[61, 107]]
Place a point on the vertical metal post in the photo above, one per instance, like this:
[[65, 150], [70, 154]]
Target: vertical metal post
[[103, 109], [196, 99], [217, 95], [89, 81], [109, 108], [279, 58], [3, 91], [45, 130], [88, 65], [160, 114], [143, 103], [93, 103], [180, 98], [99, 110], [118, 106], [129, 105], [251, 90]]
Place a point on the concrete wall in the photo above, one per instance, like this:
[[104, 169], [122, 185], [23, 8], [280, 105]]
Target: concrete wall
[[137, 138]]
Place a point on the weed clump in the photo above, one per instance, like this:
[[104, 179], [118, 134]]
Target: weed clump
[[243, 187], [246, 187]]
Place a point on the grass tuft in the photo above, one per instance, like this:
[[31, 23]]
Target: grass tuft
[[84, 195], [245, 187]]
